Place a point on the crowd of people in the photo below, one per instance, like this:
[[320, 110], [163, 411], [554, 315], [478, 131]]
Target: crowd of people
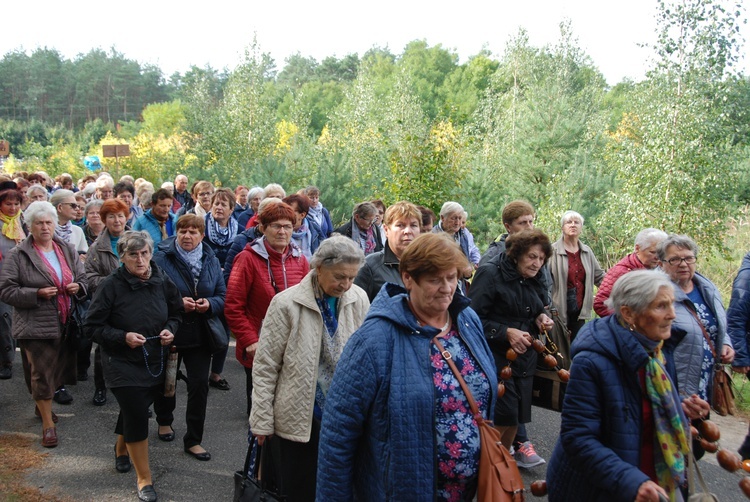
[[338, 329]]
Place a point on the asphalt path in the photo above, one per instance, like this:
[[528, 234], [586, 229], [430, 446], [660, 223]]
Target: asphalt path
[[82, 466]]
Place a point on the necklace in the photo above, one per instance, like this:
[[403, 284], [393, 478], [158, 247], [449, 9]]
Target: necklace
[[445, 327]]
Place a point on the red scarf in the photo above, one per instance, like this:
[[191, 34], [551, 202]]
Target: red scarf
[[63, 299]]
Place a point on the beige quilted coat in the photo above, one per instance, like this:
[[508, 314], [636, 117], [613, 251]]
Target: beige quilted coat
[[286, 363]]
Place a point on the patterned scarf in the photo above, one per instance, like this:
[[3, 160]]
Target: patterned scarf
[[63, 232], [303, 239], [330, 348], [365, 238], [671, 439], [192, 259], [221, 236], [317, 213], [63, 299], [12, 228]]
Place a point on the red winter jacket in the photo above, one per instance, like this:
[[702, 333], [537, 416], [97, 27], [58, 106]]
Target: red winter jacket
[[622, 267], [251, 287]]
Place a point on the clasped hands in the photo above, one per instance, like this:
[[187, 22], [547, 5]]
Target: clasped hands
[[135, 340], [52, 291], [200, 305]]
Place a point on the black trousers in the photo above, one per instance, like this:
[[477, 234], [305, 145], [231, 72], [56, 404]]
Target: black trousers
[[84, 362], [132, 422], [290, 467], [249, 388], [197, 366]]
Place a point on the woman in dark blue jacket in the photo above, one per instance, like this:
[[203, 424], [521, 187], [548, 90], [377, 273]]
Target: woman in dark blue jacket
[[196, 271], [396, 425], [622, 403]]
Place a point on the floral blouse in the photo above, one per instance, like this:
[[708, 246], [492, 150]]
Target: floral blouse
[[457, 433]]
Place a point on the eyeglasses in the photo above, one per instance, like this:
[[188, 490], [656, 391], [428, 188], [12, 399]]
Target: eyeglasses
[[205, 194], [72, 204], [677, 260], [276, 227]]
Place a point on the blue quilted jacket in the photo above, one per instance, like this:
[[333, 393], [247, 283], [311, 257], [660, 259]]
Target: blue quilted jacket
[[377, 440], [738, 315], [598, 453]]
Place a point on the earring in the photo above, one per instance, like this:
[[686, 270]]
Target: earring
[[632, 327]]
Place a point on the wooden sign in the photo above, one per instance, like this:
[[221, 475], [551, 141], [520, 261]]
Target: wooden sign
[[115, 150], [4, 148]]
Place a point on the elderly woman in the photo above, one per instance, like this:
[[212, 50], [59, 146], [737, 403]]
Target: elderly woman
[[101, 260], [11, 234], [202, 193], [402, 224], [307, 234], [37, 193], [303, 335], [67, 207], [94, 223], [700, 327], [396, 424], [575, 271], [196, 271], [362, 229], [509, 296], [254, 196], [221, 225], [624, 433], [133, 316], [451, 216], [39, 278], [267, 266], [317, 212]]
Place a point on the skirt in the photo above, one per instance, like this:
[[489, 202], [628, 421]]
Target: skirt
[[47, 364]]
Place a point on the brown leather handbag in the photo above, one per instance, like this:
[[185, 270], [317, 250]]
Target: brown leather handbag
[[499, 477], [722, 393]]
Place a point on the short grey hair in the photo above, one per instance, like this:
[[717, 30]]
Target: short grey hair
[[37, 209], [254, 192], [637, 289], [134, 240], [105, 182], [364, 209], [60, 195], [569, 215], [274, 187], [335, 250], [678, 241], [451, 207], [37, 188], [649, 236], [90, 205], [169, 186]]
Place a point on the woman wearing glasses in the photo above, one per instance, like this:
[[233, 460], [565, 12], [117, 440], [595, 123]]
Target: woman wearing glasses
[[67, 207], [700, 316], [267, 266]]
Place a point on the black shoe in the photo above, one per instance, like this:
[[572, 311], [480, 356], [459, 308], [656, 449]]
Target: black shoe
[[169, 436], [82, 377], [6, 372], [122, 463], [147, 494], [203, 456], [100, 397], [62, 396], [219, 384]]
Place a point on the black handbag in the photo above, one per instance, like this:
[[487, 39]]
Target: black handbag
[[218, 339], [247, 486], [72, 330]]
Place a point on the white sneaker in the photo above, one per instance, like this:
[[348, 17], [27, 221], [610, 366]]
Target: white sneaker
[[526, 456]]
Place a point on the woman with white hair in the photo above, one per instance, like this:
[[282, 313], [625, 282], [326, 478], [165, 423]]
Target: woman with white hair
[[39, 278], [451, 220], [254, 196], [575, 270]]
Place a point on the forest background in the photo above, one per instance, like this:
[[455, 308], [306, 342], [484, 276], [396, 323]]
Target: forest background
[[538, 123]]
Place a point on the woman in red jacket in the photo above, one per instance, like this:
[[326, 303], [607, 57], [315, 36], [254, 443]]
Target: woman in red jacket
[[266, 266]]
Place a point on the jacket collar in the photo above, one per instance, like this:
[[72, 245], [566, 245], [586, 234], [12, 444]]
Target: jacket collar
[[607, 337]]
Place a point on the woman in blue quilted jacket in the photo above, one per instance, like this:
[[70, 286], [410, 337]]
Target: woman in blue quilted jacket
[[624, 432], [396, 425]]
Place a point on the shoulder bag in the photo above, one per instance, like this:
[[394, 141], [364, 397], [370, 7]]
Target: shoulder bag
[[499, 477], [722, 393], [247, 485]]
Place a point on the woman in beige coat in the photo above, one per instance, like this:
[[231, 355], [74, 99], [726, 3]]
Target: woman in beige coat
[[39, 278], [303, 335]]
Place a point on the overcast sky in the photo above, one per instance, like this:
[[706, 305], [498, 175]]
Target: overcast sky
[[175, 35]]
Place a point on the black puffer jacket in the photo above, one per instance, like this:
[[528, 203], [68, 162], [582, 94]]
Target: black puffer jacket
[[503, 299], [124, 303], [379, 268]]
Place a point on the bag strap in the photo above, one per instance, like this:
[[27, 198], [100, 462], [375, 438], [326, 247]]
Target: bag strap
[[449, 359], [705, 333]]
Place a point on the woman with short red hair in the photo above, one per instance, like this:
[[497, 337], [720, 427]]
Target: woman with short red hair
[[268, 265]]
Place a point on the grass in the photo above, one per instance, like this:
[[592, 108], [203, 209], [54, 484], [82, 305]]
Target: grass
[[17, 456]]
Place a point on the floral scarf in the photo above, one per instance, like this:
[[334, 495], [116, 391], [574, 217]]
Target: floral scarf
[[221, 236], [63, 232], [63, 299], [12, 228]]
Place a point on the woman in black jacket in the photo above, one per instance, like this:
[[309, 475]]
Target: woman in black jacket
[[133, 317], [195, 270], [509, 298]]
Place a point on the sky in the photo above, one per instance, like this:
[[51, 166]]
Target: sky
[[176, 35]]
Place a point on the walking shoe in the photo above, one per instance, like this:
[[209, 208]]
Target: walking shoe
[[100, 397], [6, 372], [221, 384], [62, 396], [526, 456], [49, 437]]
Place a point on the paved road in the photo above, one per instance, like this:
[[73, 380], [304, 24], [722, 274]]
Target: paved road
[[82, 465]]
